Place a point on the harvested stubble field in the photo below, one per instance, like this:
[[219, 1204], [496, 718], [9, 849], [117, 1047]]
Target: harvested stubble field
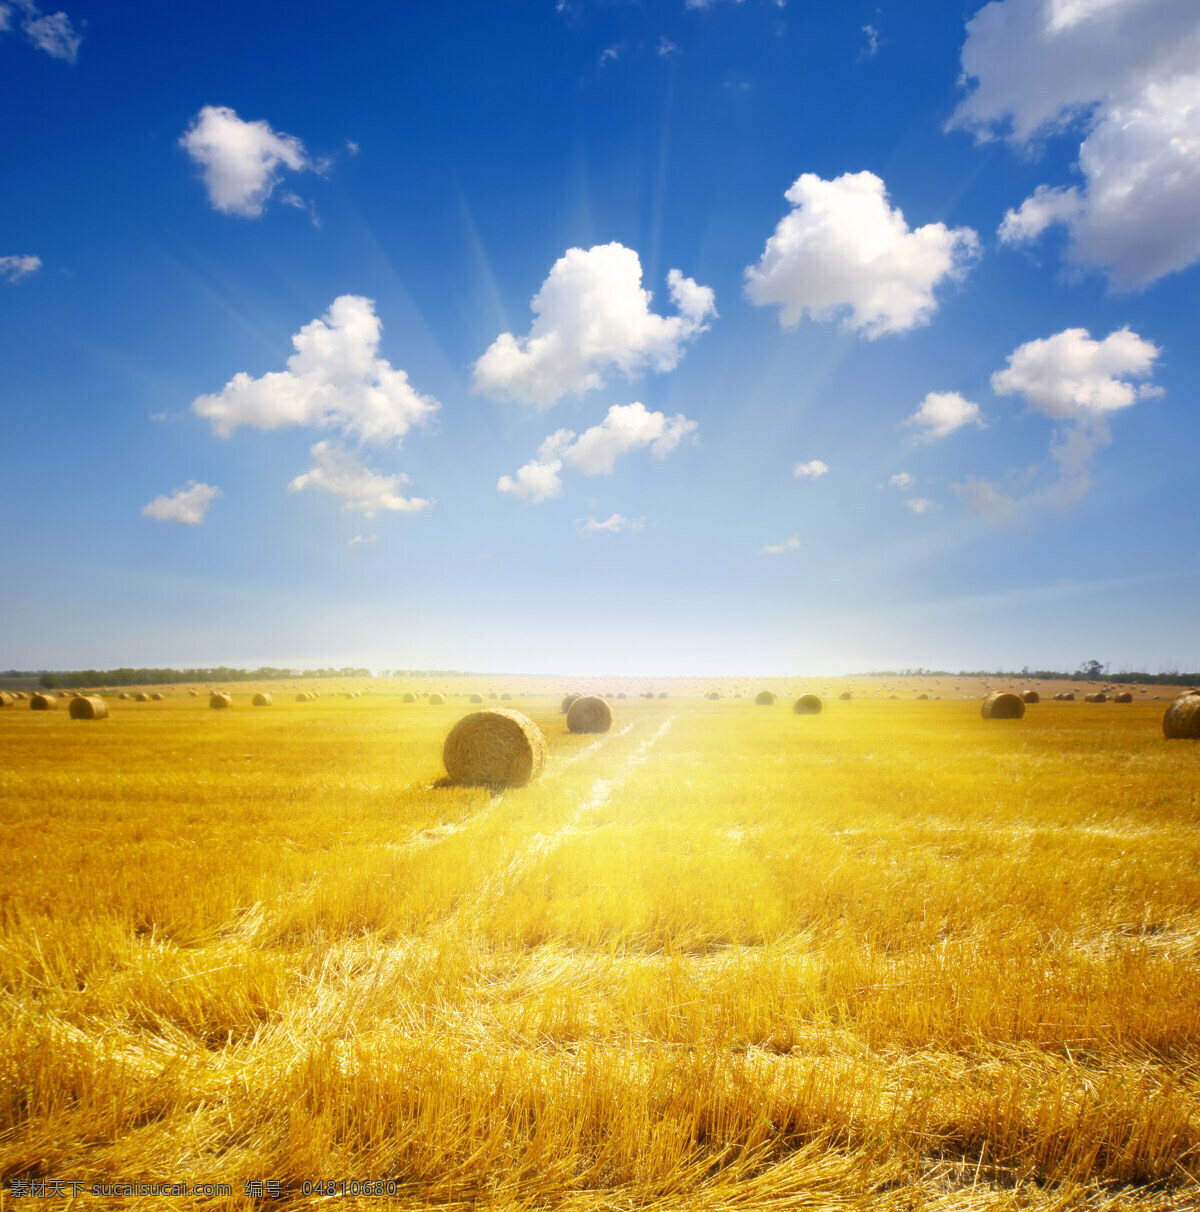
[[722, 956]]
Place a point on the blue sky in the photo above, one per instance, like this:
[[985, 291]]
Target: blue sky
[[663, 337]]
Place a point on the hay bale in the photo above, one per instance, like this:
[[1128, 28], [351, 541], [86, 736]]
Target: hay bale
[[302, 697], [713, 695], [475, 698], [621, 695], [589, 714], [1068, 696], [567, 701], [19, 695], [764, 698], [493, 695], [1123, 697], [498, 747], [1031, 696], [436, 700], [193, 693], [807, 704], [1182, 719], [1002, 705], [6, 700], [845, 696], [261, 700], [221, 700], [923, 696], [89, 707], [505, 696], [124, 694], [662, 694], [1098, 697], [43, 702], [157, 696], [409, 698], [142, 697]]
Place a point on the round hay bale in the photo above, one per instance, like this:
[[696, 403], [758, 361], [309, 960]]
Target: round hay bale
[[662, 694], [475, 698], [6, 700], [1123, 697], [1182, 719], [409, 698], [807, 704], [505, 696], [589, 714], [713, 695], [141, 697], [124, 694], [846, 696], [43, 702], [621, 695], [1068, 696], [157, 696], [302, 697], [923, 696], [221, 700], [193, 693], [1002, 705], [261, 700], [567, 701], [1031, 696], [498, 747], [89, 707], [493, 695], [436, 700], [19, 695], [764, 698], [1098, 697]]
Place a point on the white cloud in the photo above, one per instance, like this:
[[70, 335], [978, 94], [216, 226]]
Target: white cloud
[[52, 33], [298, 203], [334, 380], [920, 504], [5, 13], [1128, 72], [872, 47], [187, 505], [666, 47], [16, 268], [708, 3], [610, 53], [352, 147], [792, 544], [902, 480], [811, 469], [360, 539], [591, 314], [983, 497], [942, 412], [240, 161], [366, 492], [614, 525], [843, 251], [626, 427], [1071, 377]]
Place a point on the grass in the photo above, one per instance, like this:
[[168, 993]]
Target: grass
[[892, 956]]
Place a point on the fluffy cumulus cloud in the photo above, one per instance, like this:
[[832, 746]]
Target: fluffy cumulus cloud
[[50, 32], [1078, 383], [941, 413], [844, 251], [592, 315], [625, 428], [365, 491], [810, 470], [1127, 72], [359, 540], [240, 162], [792, 544], [902, 480], [334, 380], [920, 504], [589, 527], [187, 505], [13, 269]]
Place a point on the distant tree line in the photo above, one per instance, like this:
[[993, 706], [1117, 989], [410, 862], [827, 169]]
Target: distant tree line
[[155, 677], [1092, 671]]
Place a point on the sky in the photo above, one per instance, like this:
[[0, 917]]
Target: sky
[[677, 337]]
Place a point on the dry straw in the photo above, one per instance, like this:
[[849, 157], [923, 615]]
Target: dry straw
[[662, 694], [589, 714], [567, 701], [89, 707], [43, 702], [1031, 696], [221, 700], [157, 696], [923, 696], [494, 748], [1123, 697], [807, 704], [1098, 697], [1182, 720], [475, 698], [261, 700], [6, 700], [845, 695], [436, 700], [409, 698], [19, 694], [142, 697], [302, 697], [712, 694], [505, 695], [764, 698], [1002, 705]]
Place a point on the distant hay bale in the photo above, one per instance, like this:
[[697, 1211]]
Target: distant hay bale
[[493, 695], [893, 696], [193, 693], [589, 714], [1001, 705], [1123, 697], [1031, 696], [846, 696], [141, 697], [43, 702], [157, 696], [567, 701], [6, 700], [1182, 719], [261, 700], [498, 747], [505, 696], [807, 704], [89, 707], [1098, 697], [475, 698], [764, 698], [436, 700], [221, 700], [662, 694], [922, 696], [124, 694], [713, 695], [19, 695], [302, 697], [409, 698], [621, 695], [1068, 696]]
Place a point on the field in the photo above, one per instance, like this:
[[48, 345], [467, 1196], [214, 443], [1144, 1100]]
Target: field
[[722, 956]]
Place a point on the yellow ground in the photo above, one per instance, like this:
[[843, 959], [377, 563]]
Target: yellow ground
[[892, 956]]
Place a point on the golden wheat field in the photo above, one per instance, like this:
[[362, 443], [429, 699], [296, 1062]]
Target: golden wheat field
[[722, 956]]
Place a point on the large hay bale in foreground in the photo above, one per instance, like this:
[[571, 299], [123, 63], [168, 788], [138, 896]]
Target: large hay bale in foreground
[[475, 698], [498, 747], [764, 698], [1123, 697], [1031, 696], [221, 700], [43, 702], [261, 700], [567, 701], [807, 704], [89, 707], [589, 714], [1098, 697], [1182, 720], [1002, 705], [845, 696], [436, 700]]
